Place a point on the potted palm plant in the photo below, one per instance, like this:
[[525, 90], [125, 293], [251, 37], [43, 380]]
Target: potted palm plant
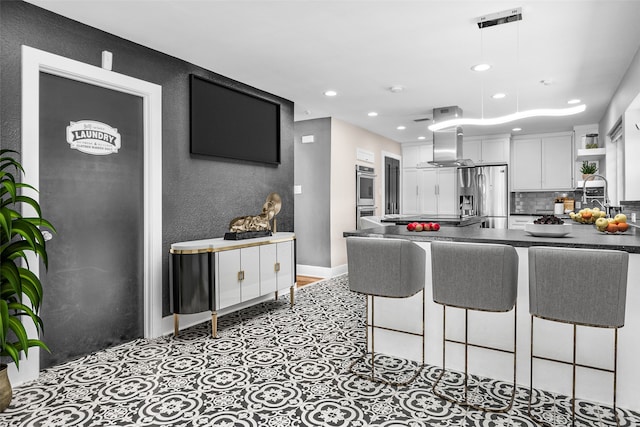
[[20, 288], [588, 169]]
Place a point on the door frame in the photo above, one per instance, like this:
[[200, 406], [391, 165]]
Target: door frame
[[384, 180], [35, 61]]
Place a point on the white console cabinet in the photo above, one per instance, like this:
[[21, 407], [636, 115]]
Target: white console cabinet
[[217, 274], [237, 276]]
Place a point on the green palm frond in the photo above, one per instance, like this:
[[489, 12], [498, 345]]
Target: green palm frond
[[21, 291]]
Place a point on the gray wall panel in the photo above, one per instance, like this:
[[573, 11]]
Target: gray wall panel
[[313, 206]]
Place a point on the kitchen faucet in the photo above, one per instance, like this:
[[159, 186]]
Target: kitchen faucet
[[605, 202]]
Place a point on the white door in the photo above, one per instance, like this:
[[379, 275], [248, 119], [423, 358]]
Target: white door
[[250, 263], [495, 150], [428, 184], [410, 191], [268, 279], [471, 150], [557, 162], [228, 268], [526, 157], [35, 63], [447, 191], [285, 261]]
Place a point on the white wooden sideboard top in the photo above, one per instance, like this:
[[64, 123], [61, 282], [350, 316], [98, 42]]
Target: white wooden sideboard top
[[219, 244]]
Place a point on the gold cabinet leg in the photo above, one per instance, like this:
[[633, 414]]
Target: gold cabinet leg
[[176, 324], [214, 324], [291, 294]]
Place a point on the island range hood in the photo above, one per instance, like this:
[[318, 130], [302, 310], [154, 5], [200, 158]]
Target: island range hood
[[447, 143]]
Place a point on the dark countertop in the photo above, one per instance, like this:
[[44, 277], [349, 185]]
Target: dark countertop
[[450, 220], [581, 236], [538, 214]]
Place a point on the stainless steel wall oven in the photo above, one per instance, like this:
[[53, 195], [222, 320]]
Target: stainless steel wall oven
[[365, 186]]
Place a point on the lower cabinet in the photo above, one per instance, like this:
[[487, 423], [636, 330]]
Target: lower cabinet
[[237, 276], [217, 274], [430, 191], [276, 267]]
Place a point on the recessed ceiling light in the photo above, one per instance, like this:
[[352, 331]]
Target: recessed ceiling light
[[401, 127], [573, 101], [516, 129], [422, 137], [372, 114], [481, 67], [498, 95], [396, 89], [546, 82], [331, 93]]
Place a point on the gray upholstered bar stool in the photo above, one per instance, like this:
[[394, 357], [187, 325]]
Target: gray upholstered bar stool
[[480, 277], [570, 285], [391, 268]]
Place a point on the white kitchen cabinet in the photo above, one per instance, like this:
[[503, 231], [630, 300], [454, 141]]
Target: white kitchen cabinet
[[472, 149], [428, 195], [495, 150], [414, 155], [446, 190], [486, 150], [430, 191], [526, 164], [557, 162], [542, 163], [410, 191]]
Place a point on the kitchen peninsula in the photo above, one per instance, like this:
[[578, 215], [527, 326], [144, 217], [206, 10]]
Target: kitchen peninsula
[[496, 329]]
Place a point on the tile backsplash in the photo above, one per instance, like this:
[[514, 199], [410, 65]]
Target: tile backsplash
[[632, 210], [538, 202]]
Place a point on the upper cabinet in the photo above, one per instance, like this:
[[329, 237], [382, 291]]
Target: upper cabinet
[[414, 155], [542, 162], [490, 149]]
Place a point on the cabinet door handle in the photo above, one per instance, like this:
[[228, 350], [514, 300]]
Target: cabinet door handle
[[241, 275], [276, 267]]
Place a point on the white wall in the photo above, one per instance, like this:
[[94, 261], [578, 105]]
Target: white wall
[[345, 139]]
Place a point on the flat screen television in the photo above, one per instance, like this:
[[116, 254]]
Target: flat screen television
[[229, 123]]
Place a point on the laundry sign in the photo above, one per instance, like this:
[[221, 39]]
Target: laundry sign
[[91, 137]]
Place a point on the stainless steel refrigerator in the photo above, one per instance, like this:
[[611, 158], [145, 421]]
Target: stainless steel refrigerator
[[493, 195]]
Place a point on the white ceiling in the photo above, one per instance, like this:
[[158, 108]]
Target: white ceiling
[[298, 49]]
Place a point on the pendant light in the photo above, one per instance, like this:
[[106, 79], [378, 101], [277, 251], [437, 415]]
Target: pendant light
[[492, 20]]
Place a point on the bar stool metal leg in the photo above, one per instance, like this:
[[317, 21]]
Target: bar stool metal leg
[[574, 365], [373, 326], [389, 268], [467, 344]]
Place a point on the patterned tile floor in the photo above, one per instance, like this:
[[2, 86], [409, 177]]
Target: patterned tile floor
[[272, 367]]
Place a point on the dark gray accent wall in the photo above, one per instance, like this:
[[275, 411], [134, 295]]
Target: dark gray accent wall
[[313, 206], [200, 195]]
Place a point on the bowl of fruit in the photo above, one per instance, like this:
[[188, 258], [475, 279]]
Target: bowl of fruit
[[548, 226], [587, 215], [617, 224]]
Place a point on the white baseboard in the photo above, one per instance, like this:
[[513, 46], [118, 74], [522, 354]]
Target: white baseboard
[[324, 272]]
